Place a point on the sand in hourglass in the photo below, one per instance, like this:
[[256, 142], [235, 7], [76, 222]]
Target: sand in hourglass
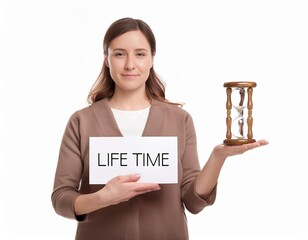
[[240, 120]]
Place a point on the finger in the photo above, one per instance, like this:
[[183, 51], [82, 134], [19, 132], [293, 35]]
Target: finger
[[127, 178], [257, 144], [251, 146], [146, 187], [263, 142]]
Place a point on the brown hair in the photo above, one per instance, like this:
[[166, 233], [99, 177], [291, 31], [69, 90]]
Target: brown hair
[[104, 86]]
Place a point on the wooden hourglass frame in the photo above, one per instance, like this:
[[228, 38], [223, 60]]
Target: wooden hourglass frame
[[242, 88]]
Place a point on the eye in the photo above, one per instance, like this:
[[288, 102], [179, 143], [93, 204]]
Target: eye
[[140, 54], [119, 54]]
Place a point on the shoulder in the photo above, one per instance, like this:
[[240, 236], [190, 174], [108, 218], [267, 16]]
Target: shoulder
[[170, 107], [81, 113], [90, 111], [171, 110]]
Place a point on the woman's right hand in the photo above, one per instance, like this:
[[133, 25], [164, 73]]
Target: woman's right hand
[[123, 188], [118, 189]]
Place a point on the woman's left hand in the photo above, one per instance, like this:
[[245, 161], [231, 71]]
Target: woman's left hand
[[223, 151]]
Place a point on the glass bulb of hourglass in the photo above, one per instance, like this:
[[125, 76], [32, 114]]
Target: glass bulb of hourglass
[[239, 109], [239, 124]]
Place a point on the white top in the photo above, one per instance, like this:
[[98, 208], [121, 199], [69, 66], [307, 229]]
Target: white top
[[131, 123]]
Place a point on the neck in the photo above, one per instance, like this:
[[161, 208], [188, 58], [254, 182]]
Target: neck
[[129, 101]]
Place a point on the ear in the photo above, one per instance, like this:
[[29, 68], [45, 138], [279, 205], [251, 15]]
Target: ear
[[106, 61], [152, 63]]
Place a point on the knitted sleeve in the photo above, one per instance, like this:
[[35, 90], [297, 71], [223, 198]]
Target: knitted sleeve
[[191, 168], [68, 171]]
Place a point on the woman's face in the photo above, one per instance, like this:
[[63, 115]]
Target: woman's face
[[129, 60]]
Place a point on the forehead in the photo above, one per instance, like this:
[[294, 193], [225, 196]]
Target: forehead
[[130, 40]]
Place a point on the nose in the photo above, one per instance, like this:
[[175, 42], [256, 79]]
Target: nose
[[130, 64]]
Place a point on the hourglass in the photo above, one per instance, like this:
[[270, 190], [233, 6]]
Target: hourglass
[[239, 121]]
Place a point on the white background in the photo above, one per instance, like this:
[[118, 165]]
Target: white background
[[51, 53]]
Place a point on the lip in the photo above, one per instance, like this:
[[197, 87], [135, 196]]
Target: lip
[[130, 75]]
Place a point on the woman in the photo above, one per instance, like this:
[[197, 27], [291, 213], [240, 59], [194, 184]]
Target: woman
[[128, 99]]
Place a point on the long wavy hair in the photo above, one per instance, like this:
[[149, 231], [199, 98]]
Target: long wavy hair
[[104, 85]]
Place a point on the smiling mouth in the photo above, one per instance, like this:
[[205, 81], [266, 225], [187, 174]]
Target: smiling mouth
[[130, 75]]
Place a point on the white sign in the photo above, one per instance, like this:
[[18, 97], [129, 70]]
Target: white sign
[[154, 158]]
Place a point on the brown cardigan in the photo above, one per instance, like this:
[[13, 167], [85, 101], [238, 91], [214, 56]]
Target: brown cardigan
[[158, 215]]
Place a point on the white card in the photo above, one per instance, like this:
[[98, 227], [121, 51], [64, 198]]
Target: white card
[[154, 158]]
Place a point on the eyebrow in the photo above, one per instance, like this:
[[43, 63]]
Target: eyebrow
[[124, 50]]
